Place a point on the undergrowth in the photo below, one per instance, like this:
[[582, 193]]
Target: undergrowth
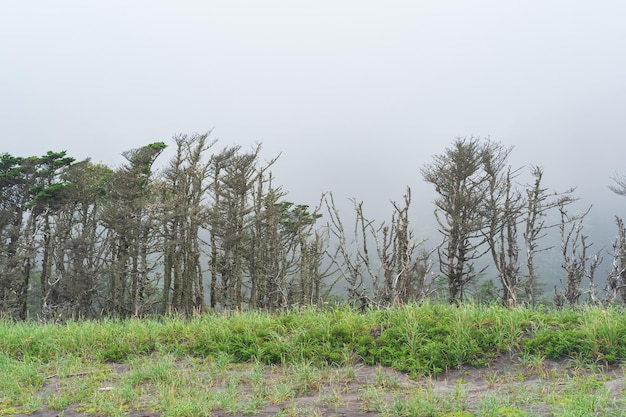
[[419, 340]]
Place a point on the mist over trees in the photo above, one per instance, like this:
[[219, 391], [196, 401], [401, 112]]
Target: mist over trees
[[214, 230]]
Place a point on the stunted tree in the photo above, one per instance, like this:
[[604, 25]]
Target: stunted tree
[[184, 191], [352, 253], [17, 176], [578, 263], [269, 258], [616, 280], [462, 187], [297, 228], [130, 219], [381, 264], [234, 177], [263, 249], [77, 245], [405, 263], [49, 197], [503, 209], [539, 202]]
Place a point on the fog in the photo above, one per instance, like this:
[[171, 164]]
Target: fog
[[356, 96]]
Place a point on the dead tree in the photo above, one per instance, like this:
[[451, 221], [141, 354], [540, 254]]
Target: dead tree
[[539, 202], [405, 264], [577, 262], [503, 208], [616, 280], [352, 257]]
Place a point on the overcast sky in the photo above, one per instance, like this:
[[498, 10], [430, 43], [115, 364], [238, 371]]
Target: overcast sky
[[357, 95]]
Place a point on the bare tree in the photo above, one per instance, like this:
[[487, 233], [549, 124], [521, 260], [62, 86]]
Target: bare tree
[[619, 187], [405, 263], [616, 280], [539, 202], [577, 262], [503, 209], [351, 255], [396, 272]]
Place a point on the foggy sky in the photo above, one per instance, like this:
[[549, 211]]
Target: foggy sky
[[357, 95]]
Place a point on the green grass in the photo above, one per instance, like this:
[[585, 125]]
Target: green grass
[[244, 361]]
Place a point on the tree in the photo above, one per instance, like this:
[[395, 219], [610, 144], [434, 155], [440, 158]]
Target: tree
[[503, 208], [539, 202], [616, 281], [577, 262], [78, 245], [462, 185], [17, 176], [184, 189], [269, 257], [129, 217], [239, 204], [49, 196], [405, 263], [396, 272], [351, 256]]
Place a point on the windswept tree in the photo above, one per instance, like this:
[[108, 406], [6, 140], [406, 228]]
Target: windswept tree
[[269, 259], [49, 198], [129, 217], [234, 177], [17, 176], [77, 245], [462, 187], [184, 191]]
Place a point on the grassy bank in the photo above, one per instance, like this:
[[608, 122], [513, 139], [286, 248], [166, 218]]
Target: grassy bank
[[161, 358]]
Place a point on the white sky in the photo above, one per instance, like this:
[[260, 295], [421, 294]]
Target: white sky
[[356, 94]]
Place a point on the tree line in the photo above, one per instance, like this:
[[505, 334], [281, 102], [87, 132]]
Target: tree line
[[213, 230]]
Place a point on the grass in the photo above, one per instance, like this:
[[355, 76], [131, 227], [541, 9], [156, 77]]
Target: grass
[[248, 361]]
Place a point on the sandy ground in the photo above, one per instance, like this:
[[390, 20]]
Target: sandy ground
[[500, 378]]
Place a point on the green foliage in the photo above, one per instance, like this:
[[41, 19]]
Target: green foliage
[[157, 146], [417, 339]]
